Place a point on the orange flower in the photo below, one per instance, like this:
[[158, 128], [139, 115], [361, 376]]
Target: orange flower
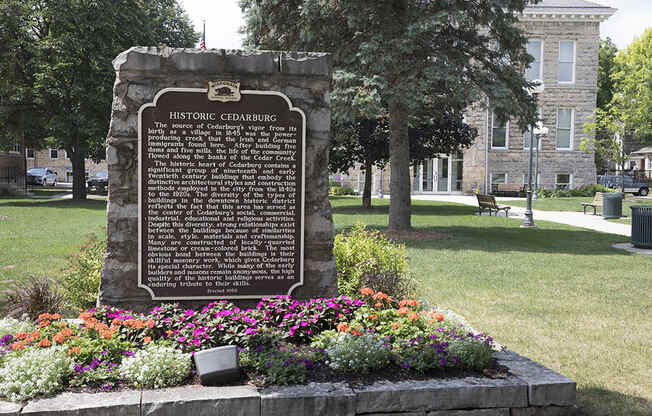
[[357, 332], [403, 311], [378, 305], [17, 346], [147, 340], [396, 325], [373, 317], [21, 335], [414, 316], [44, 343], [74, 350], [55, 316], [342, 327], [169, 332], [35, 335], [366, 291], [44, 323], [439, 317], [150, 324], [409, 302]]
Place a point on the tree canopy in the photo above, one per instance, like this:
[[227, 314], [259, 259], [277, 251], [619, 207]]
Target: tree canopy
[[58, 65], [606, 67], [417, 56]]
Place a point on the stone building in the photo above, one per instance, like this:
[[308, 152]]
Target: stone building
[[564, 38]]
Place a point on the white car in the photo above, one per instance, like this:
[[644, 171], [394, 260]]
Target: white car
[[41, 176]]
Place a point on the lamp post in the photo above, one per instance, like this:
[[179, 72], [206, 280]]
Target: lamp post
[[539, 132], [528, 219]]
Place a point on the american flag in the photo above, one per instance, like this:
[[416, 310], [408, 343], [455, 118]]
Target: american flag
[[202, 42]]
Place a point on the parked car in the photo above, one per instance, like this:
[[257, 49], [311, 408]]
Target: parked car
[[41, 176], [98, 182], [632, 186]]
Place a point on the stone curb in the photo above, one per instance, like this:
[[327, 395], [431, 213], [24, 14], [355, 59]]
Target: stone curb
[[532, 390]]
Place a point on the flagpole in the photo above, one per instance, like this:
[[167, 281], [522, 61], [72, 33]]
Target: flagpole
[[202, 43]]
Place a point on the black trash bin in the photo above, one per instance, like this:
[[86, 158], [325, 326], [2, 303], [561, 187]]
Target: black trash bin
[[612, 204], [642, 226]]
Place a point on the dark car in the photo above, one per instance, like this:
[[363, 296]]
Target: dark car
[[631, 185], [41, 176], [98, 182]]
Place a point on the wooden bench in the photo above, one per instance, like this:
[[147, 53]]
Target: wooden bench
[[597, 202], [508, 189], [488, 202]]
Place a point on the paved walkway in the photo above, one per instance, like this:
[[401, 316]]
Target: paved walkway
[[576, 219]]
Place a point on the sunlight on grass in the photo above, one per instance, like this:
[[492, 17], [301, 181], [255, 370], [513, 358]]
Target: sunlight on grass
[[557, 294]]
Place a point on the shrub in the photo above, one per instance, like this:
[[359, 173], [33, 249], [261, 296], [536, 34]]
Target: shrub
[[83, 274], [341, 190], [362, 353], [100, 372], [585, 191], [156, 366], [280, 364], [474, 354], [370, 259], [34, 297], [37, 371]]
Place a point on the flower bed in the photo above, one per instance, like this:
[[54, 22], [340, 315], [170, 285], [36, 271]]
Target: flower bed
[[281, 341]]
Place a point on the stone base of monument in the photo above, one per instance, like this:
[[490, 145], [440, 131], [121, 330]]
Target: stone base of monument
[[530, 390], [217, 365]]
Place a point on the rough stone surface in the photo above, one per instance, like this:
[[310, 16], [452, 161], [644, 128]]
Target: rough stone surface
[[325, 399], [545, 387], [143, 71], [474, 412], [544, 411], [430, 395], [9, 408], [202, 401], [125, 403]]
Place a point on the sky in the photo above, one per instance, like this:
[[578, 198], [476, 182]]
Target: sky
[[223, 18]]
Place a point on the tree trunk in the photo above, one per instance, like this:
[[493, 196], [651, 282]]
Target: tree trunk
[[366, 193], [399, 159], [78, 176]]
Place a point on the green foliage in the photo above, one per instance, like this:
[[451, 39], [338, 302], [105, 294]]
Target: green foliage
[[357, 353], [81, 278], [156, 366], [341, 190], [586, 190], [370, 259], [606, 67], [37, 371], [91, 347], [32, 297], [474, 354], [279, 364]]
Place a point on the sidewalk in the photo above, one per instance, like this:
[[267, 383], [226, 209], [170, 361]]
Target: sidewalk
[[576, 219]]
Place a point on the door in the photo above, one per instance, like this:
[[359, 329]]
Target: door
[[442, 174]]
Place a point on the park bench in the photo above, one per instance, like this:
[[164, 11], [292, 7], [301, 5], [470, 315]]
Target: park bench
[[597, 202], [508, 189], [488, 202]]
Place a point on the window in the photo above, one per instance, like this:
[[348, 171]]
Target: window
[[566, 69], [29, 153], [15, 148], [564, 129], [54, 154], [563, 181], [496, 179], [499, 131], [534, 71]]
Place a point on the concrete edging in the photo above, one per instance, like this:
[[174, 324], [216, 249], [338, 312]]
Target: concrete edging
[[532, 390]]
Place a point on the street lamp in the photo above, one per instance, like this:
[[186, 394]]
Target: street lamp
[[539, 132], [528, 219]]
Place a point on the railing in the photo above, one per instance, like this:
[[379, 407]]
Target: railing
[[10, 177]]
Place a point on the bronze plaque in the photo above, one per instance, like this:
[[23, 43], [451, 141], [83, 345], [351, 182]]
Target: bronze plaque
[[221, 195]]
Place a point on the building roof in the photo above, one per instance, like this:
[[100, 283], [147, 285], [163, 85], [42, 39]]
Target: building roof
[[643, 151], [568, 8]]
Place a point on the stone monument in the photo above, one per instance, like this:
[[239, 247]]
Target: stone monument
[[218, 177]]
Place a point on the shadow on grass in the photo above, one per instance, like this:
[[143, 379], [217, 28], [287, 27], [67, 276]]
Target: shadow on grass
[[94, 204], [600, 402]]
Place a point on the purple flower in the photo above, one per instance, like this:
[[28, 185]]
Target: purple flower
[[250, 331], [181, 339], [268, 364], [6, 340], [128, 353]]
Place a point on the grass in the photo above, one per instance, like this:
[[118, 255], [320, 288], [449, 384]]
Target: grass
[[37, 235], [557, 294]]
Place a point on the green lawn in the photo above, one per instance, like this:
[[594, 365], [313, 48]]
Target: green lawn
[[557, 294], [36, 235], [575, 204]]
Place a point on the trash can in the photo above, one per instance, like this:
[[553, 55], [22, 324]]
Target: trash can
[[642, 226], [612, 204]]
